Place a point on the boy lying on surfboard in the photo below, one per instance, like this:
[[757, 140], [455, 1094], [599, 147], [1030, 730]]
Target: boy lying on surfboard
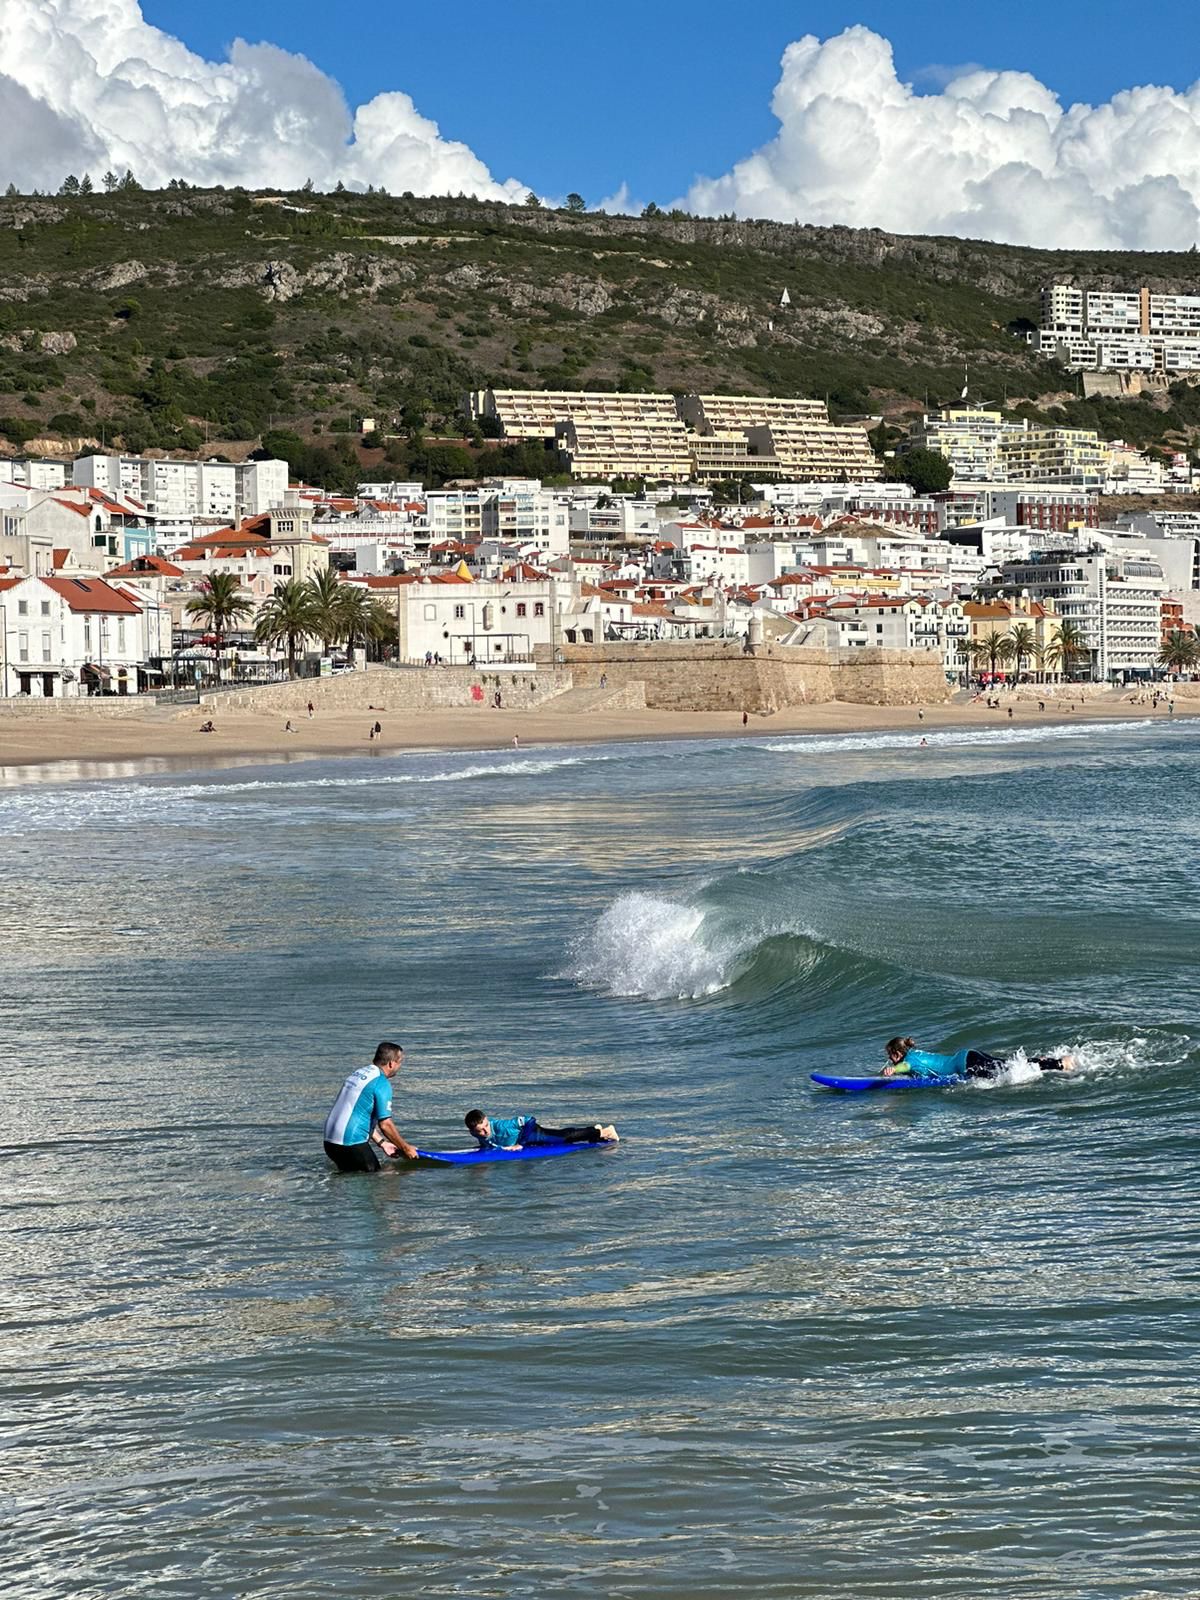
[[502, 1133], [904, 1057]]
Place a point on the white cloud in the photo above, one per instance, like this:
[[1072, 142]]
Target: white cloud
[[88, 84], [993, 155]]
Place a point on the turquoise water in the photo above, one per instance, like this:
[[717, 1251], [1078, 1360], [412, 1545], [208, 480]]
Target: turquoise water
[[778, 1343]]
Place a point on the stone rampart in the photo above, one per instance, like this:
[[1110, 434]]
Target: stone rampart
[[718, 675], [395, 689]]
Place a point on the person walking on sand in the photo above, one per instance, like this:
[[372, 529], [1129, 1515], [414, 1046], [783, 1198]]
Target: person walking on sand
[[516, 741], [745, 718], [920, 715], [311, 709]]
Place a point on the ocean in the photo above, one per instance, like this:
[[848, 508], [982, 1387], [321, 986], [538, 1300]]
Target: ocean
[[778, 1342]]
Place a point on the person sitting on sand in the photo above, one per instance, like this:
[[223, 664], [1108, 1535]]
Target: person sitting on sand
[[287, 727], [207, 727], [503, 1133], [904, 1059]]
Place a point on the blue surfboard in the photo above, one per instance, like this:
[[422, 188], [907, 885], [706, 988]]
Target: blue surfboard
[[852, 1085], [517, 1152]]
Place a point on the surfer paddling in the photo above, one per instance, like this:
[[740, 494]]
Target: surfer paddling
[[361, 1117], [504, 1133], [905, 1059]]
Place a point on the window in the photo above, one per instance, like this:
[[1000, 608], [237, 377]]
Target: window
[[45, 608], [539, 609], [22, 608], [121, 635], [521, 608], [430, 613], [45, 647], [23, 646], [459, 613]]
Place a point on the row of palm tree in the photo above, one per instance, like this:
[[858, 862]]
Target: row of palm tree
[[321, 607], [1019, 646]]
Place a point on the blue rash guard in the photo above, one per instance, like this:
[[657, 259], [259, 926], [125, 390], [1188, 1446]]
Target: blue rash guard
[[508, 1131], [933, 1064], [365, 1099]]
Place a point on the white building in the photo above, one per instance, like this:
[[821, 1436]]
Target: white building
[[1130, 331], [904, 622], [1114, 598], [33, 474], [64, 637], [178, 490], [462, 621]]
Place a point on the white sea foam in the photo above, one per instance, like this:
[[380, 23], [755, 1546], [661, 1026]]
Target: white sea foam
[[807, 744], [66, 808], [646, 944]]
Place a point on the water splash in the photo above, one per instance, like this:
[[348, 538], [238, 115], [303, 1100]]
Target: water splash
[[646, 944]]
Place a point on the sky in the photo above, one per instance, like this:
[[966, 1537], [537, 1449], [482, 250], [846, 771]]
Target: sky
[[1054, 123]]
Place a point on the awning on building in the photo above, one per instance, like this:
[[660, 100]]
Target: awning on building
[[100, 673]]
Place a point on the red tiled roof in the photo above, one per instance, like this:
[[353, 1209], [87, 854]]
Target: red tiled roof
[[142, 566], [92, 594]]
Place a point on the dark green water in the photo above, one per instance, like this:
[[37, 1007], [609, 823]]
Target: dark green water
[[778, 1343]]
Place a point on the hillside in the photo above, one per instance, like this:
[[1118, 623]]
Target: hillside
[[187, 320]]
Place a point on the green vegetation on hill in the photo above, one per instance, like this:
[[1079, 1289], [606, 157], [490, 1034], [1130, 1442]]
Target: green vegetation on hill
[[189, 320]]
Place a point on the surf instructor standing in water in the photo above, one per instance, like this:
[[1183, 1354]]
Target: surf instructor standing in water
[[361, 1116]]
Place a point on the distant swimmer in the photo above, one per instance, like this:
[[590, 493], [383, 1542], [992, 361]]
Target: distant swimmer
[[904, 1058], [361, 1116], [502, 1133]]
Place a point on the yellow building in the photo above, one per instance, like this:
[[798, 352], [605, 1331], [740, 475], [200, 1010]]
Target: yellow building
[[1056, 455]]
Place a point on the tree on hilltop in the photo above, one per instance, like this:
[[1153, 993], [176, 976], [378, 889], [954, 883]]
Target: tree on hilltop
[[576, 204], [110, 181], [85, 184], [69, 185], [532, 201]]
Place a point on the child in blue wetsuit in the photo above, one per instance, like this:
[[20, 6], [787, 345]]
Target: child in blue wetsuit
[[502, 1133], [904, 1057]]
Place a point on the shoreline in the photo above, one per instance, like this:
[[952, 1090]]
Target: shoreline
[[76, 749]]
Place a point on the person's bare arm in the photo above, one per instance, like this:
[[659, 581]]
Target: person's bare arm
[[391, 1132]]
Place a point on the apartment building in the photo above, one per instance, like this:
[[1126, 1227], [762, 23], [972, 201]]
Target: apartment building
[[1136, 330], [30, 473], [178, 490], [903, 622], [650, 446], [521, 512], [674, 440], [969, 437], [534, 415], [1055, 455], [1114, 598]]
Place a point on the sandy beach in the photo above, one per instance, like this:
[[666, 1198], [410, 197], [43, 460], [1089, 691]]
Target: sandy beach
[[76, 746]]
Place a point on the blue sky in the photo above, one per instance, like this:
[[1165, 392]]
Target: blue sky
[[654, 92]]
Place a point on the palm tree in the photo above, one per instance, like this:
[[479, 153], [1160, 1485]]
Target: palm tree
[[1066, 647], [287, 616], [1180, 650], [994, 648], [325, 595], [363, 617], [219, 603], [1024, 643]]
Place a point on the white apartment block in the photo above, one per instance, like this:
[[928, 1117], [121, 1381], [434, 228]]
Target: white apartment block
[[176, 490], [1136, 330], [1114, 598], [33, 474], [521, 512]]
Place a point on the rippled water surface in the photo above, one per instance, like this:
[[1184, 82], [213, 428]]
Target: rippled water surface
[[777, 1343]]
